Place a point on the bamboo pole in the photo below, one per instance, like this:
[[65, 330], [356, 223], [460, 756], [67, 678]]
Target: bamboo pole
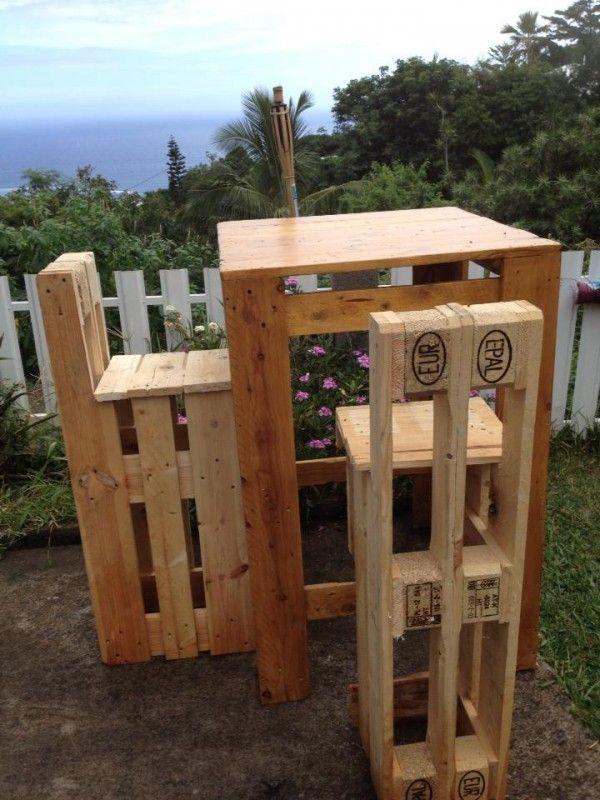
[[284, 141]]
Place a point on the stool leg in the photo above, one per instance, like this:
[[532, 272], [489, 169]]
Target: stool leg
[[357, 501]]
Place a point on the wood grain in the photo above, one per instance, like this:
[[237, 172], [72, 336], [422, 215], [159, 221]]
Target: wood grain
[[260, 380]]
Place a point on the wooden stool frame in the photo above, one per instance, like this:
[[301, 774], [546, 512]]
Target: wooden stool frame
[[474, 633], [255, 257]]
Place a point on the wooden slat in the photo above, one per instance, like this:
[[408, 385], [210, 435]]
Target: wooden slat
[[133, 313], [338, 312], [155, 631], [158, 374], [348, 242], [260, 376], [207, 371], [535, 278], [328, 600], [378, 572], [316, 471], [218, 495], [412, 427], [410, 697], [91, 434], [114, 383], [165, 525]]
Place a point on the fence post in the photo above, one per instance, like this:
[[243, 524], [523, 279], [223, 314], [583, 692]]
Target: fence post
[[587, 377], [214, 296], [401, 276], [175, 289], [133, 311], [11, 366], [41, 346]]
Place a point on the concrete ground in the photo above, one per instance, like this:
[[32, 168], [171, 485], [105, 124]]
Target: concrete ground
[[72, 728]]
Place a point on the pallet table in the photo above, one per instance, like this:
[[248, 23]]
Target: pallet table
[[254, 258]]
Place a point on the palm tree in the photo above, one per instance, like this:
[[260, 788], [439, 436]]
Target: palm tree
[[528, 39], [247, 183]]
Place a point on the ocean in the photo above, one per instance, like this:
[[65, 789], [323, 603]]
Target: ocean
[[131, 152]]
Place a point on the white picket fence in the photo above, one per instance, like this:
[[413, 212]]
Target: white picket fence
[[132, 303]]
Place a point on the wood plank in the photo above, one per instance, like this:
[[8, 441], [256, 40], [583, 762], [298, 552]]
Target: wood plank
[[317, 471], [260, 380], [166, 525], [448, 493], [338, 312], [218, 495], [207, 371], [354, 242], [92, 441], [571, 270], [587, 376], [328, 600], [358, 500], [410, 697], [114, 383], [378, 572], [412, 430], [155, 632], [536, 278]]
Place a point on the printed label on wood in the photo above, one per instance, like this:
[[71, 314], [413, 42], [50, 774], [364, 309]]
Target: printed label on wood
[[423, 604], [471, 786], [429, 358], [419, 790], [494, 356], [481, 598]]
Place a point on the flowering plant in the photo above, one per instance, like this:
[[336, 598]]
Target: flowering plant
[[199, 335], [324, 375]]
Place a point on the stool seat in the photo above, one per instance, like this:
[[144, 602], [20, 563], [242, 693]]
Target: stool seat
[[160, 374], [412, 434]]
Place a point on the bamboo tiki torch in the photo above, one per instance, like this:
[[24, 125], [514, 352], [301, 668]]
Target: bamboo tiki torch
[[282, 131]]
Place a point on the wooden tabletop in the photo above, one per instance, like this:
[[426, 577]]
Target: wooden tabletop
[[352, 242]]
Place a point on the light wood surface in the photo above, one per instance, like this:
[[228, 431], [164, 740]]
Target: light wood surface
[[156, 374], [260, 382], [347, 242], [166, 525], [218, 495], [339, 312], [91, 433], [412, 431]]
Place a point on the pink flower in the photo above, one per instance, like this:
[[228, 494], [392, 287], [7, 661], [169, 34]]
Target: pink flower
[[181, 420], [358, 352], [325, 411], [326, 442], [301, 396], [361, 399], [304, 378], [329, 383], [291, 283], [364, 361], [317, 350], [317, 444]]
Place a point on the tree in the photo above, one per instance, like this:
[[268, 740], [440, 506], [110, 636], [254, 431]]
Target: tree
[[575, 33], [528, 39], [247, 182], [175, 168], [390, 187]]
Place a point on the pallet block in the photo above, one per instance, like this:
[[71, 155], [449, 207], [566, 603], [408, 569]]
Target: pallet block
[[134, 468], [466, 588]]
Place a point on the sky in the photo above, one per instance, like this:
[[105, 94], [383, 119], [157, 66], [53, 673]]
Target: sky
[[136, 58]]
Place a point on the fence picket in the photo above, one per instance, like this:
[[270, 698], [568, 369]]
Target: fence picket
[[41, 345], [11, 365], [401, 276], [214, 295], [571, 269], [175, 288], [133, 303], [587, 377], [133, 311]]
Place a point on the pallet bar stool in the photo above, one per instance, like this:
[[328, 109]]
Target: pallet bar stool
[[466, 587], [145, 435]]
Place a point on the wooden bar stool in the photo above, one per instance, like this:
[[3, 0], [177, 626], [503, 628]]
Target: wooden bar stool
[[466, 587]]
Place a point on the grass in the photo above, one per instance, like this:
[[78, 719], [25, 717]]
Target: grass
[[570, 625]]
